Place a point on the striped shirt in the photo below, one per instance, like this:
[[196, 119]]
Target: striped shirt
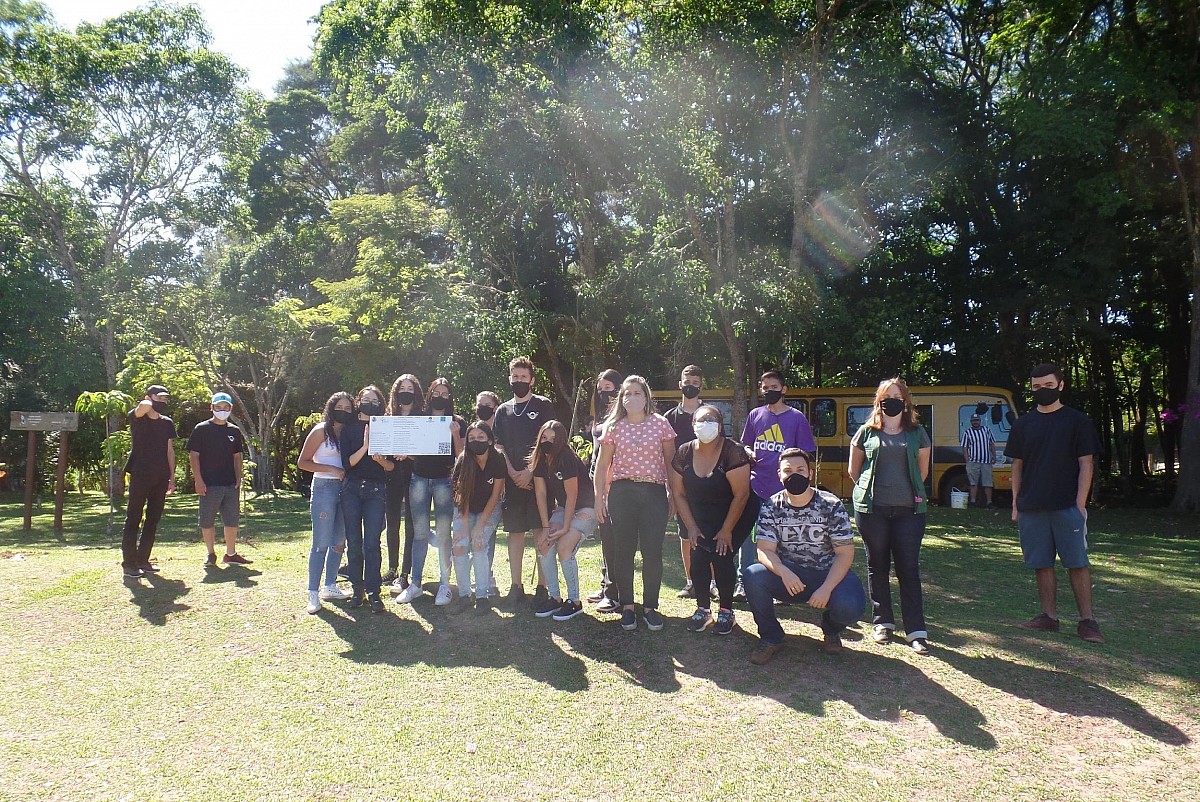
[[978, 444]]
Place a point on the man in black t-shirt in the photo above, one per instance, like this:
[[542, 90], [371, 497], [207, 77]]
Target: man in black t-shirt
[[215, 452], [1053, 452], [691, 382], [151, 469], [516, 427]]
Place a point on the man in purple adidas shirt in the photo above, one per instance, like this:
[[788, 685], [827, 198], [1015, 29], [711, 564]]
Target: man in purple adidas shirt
[[770, 430]]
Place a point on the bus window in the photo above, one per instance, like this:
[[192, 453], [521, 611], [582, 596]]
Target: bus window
[[798, 404], [856, 416], [824, 417]]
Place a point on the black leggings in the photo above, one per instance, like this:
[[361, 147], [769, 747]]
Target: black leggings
[[708, 565], [397, 497]]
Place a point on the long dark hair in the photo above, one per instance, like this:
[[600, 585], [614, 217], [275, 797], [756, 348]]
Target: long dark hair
[[327, 420], [429, 393], [393, 407], [466, 468], [556, 448]]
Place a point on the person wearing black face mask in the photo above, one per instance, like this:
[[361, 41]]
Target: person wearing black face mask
[[805, 551], [691, 382], [890, 457], [604, 597], [1053, 451], [486, 404], [431, 485], [321, 455], [364, 499], [406, 398], [516, 426], [770, 429], [151, 469]]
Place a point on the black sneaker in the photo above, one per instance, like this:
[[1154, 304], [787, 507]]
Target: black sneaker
[[546, 607], [739, 592], [540, 596], [343, 572], [149, 569], [210, 560], [597, 595], [654, 621], [569, 610], [724, 623], [132, 572], [358, 600], [515, 593], [236, 559], [376, 604], [389, 578], [628, 620]]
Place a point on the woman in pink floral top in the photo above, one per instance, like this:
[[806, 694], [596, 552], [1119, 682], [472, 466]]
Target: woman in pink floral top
[[636, 449]]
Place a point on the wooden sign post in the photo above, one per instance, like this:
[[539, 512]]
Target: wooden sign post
[[32, 422]]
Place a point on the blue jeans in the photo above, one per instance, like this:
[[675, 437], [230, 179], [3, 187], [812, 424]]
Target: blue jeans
[[421, 492], [476, 553], [763, 587], [329, 530], [893, 534], [363, 504], [584, 522]]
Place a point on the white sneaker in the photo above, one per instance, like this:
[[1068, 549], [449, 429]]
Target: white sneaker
[[410, 593], [444, 596], [314, 602], [880, 634], [334, 593]]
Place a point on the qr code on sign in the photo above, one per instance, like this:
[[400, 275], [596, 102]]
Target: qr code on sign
[[443, 449]]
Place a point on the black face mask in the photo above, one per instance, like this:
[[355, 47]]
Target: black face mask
[[404, 398], [690, 391], [159, 406], [439, 403], [520, 389], [478, 447], [892, 406], [772, 396], [545, 446], [796, 484], [342, 416], [485, 411], [370, 408], [1046, 396]]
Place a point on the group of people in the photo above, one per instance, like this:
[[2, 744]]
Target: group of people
[[753, 524]]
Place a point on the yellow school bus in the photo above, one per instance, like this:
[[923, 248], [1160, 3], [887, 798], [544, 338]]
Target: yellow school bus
[[836, 413]]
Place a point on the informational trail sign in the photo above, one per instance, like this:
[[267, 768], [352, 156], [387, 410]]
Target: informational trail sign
[[44, 422]]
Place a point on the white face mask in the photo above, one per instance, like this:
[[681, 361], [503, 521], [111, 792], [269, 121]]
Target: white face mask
[[706, 430], [634, 404], [222, 414]]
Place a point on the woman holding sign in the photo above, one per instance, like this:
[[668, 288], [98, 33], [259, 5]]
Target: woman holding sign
[[431, 483], [406, 399], [364, 492]]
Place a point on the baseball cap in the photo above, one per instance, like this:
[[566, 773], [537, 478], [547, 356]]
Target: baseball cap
[[157, 389], [974, 417], [222, 397]]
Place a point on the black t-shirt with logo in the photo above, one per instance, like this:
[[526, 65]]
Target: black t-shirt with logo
[[493, 470], [151, 438], [517, 425], [569, 467], [216, 444]]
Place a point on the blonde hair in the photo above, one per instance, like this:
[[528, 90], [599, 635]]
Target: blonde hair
[[618, 413]]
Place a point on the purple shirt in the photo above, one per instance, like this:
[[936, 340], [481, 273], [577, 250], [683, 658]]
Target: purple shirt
[[769, 434]]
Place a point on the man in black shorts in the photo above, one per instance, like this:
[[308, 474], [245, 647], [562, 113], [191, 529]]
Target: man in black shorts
[[151, 469], [215, 452], [516, 427]]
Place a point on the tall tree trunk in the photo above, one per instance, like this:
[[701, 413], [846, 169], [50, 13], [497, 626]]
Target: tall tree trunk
[[1187, 491]]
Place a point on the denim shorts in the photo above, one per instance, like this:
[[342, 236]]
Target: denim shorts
[[1046, 532], [223, 498]]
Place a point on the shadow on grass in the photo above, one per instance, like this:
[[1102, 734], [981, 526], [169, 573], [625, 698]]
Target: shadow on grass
[[470, 639], [158, 598], [1064, 693], [236, 575]]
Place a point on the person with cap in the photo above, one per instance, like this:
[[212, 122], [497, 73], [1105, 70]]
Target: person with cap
[[979, 452], [151, 469], [215, 452]]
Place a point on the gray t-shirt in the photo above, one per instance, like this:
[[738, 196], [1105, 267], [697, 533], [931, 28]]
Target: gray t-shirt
[[893, 485]]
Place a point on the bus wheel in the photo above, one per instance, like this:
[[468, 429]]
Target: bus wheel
[[954, 480]]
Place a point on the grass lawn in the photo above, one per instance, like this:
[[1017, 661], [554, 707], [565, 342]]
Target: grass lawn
[[217, 685]]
